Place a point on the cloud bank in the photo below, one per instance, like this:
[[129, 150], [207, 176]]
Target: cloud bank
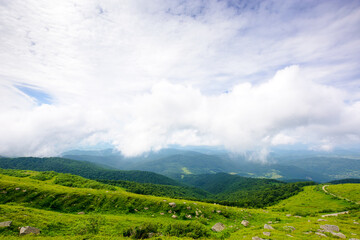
[[142, 76]]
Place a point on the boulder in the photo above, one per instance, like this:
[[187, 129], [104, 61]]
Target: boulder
[[256, 238], [266, 226], [340, 235], [81, 213], [172, 204], [174, 216], [5, 224], [330, 228], [267, 233], [289, 228], [218, 227], [321, 220], [320, 234], [29, 230], [245, 223]]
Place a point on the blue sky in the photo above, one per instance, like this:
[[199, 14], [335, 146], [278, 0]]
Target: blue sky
[[141, 75]]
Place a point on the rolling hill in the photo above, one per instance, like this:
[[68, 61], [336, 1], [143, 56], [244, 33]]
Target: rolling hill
[[65, 206]]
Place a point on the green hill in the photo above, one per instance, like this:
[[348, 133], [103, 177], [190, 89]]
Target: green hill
[[84, 169], [51, 202]]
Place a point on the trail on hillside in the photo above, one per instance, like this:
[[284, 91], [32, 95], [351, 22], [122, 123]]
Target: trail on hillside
[[337, 196]]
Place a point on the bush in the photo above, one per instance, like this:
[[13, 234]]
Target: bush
[[142, 231], [191, 229]]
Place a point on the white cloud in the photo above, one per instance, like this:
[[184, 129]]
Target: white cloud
[[144, 75]]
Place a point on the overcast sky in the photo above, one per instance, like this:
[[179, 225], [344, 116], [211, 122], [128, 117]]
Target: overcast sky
[[142, 75]]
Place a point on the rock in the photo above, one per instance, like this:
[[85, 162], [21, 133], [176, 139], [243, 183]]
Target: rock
[[188, 216], [17, 189], [146, 208], [307, 232], [169, 211], [172, 204], [297, 216], [335, 214], [5, 224], [256, 238], [24, 190], [218, 227], [218, 211], [81, 213], [267, 233], [330, 228], [136, 210], [288, 215], [28, 230], [289, 228], [321, 220], [188, 208], [151, 234], [245, 223], [356, 223], [269, 222], [174, 216], [289, 235], [320, 234], [354, 239], [266, 226], [162, 213], [340, 235], [196, 213]]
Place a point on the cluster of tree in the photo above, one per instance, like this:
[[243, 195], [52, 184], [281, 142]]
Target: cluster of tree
[[347, 180], [185, 192]]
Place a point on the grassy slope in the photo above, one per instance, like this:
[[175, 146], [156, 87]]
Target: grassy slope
[[111, 213], [349, 191], [84, 169]]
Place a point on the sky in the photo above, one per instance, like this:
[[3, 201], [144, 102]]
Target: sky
[[143, 75]]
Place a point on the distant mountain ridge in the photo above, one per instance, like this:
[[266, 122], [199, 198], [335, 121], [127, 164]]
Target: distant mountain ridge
[[283, 165]]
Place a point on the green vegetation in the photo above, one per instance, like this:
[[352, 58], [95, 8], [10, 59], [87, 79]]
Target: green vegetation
[[349, 191], [41, 200], [160, 190], [312, 201], [347, 180], [84, 169]]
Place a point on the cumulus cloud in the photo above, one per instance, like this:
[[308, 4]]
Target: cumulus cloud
[[142, 75]]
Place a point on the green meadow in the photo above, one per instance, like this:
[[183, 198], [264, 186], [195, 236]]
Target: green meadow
[[65, 206]]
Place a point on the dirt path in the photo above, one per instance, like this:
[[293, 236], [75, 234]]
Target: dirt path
[[326, 191]]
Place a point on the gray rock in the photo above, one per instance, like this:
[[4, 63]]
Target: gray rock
[[256, 238], [289, 228], [28, 230], [5, 224], [218, 227], [172, 204], [267, 233], [174, 216], [330, 228], [245, 223], [81, 213], [321, 220], [320, 234], [354, 239], [340, 235], [266, 226]]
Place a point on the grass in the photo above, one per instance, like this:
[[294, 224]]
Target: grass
[[349, 191], [115, 213], [312, 201]]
